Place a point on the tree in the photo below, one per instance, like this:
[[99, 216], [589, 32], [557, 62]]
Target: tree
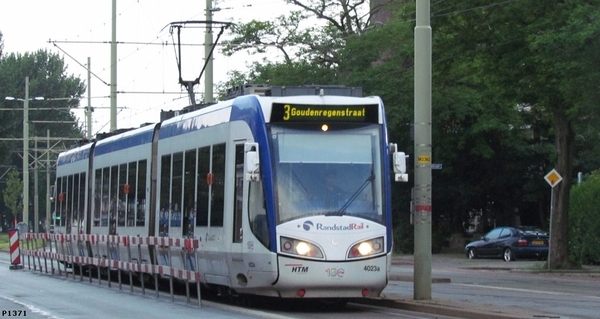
[[1, 44], [542, 55], [47, 78], [12, 194], [313, 36], [514, 91]]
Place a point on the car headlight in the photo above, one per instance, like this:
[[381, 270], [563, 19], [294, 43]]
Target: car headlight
[[366, 248], [298, 247]]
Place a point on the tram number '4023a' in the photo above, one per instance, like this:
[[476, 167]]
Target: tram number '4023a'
[[371, 268]]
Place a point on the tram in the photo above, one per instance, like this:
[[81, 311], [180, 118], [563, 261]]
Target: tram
[[287, 192]]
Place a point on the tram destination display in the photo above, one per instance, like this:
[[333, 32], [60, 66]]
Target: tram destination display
[[285, 112]]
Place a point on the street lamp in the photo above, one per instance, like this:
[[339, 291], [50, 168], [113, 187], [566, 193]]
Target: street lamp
[[25, 148]]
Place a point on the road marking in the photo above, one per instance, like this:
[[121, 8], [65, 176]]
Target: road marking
[[532, 291]]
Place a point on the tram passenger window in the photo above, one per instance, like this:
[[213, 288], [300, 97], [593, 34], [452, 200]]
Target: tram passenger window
[[165, 184], [62, 215], [130, 193], [77, 201], [104, 196], [203, 186], [218, 187], [66, 221], [177, 172], [121, 195], [140, 190], [56, 203], [82, 191], [114, 199], [97, 196], [189, 192]]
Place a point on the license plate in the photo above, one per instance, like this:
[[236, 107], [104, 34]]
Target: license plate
[[537, 242]]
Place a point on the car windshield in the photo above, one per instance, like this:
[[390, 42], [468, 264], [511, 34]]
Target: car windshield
[[336, 172]]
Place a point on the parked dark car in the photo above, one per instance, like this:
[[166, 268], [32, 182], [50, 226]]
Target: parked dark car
[[510, 243]]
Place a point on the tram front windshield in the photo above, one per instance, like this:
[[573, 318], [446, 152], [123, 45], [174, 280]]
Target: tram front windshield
[[333, 173]]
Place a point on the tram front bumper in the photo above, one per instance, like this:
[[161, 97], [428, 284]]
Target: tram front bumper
[[323, 279]]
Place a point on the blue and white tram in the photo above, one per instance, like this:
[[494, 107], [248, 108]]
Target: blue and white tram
[[289, 196]]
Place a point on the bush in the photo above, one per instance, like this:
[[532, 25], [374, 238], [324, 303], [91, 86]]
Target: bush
[[584, 221]]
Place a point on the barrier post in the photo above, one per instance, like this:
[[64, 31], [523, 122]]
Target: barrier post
[[44, 243], [127, 243], [15, 253], [141, 273], [28, 250]]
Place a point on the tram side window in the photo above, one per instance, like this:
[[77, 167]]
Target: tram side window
[[97, 196], [66, 220], [189, 192], [165, 185], [77, 201], [218, 187], [114, 199], [82, 191], [105, 186], [140, 219], [130, 193], [55, 204], [121, 195], [203, 169], [67, 202], [61, 205], [177, 179]]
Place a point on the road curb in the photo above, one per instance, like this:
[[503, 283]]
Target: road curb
[[447, 308]]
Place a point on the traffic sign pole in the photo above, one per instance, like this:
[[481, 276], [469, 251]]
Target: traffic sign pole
[[553, 178]]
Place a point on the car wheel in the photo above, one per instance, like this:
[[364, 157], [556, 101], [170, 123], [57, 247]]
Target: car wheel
[[472, 254], [508, 255]]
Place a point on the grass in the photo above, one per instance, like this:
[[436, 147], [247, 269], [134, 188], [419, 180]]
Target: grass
[[4, 241]]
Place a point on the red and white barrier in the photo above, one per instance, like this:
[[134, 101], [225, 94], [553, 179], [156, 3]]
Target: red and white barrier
[[69, 255], [15, 253]]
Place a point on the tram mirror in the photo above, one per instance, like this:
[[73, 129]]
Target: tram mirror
[[252, 162], [52, 193], [399, 161]]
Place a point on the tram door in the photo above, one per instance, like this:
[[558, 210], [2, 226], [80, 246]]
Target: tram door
[[238, 208]]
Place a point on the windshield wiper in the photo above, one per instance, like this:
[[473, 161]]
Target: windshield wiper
[[342, 210]]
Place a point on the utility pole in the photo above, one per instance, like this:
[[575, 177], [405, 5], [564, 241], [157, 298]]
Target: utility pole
[[113, 70], [422, 127], [36, 206], [208, 40], [47, 226], [26, 155], [88, 110]]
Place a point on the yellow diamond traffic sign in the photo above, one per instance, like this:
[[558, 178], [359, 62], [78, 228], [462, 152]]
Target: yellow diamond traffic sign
[[553, 178]]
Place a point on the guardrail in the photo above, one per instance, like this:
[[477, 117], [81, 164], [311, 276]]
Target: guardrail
[[72, 249]]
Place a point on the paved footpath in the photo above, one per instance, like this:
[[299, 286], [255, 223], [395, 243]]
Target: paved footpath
[[403, 268]]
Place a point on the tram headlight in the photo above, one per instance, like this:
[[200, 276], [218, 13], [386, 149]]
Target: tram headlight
[[366, 248], [298, 247], [302, 248]]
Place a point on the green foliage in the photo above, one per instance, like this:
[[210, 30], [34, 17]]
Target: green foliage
[[584, 221], [12, 193], [61, 91], [504, 75]]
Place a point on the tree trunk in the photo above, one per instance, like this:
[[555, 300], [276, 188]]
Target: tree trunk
[[559, 227]]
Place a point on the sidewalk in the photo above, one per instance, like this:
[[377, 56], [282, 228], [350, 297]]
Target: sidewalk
[[402, 270]]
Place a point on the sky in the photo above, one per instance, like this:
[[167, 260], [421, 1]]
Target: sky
[[147, 68]]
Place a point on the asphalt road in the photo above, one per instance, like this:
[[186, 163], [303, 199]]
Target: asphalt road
[[486, 288]]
